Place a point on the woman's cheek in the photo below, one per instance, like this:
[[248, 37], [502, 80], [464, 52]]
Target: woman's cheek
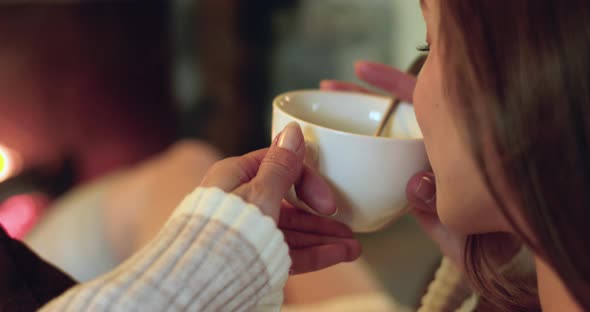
[[426, 111], [424, 97], [419, 107]]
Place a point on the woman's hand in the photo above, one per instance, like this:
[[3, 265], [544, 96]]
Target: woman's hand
[[386, 79], [421, 189], [421, 194], [263, 178]]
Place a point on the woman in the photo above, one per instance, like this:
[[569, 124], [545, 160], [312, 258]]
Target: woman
[[502, 102]]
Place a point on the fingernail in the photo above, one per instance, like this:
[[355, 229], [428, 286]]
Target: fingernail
[[335, 213], [291, 138], [426, 190]]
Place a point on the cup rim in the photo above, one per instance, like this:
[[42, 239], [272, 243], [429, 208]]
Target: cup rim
[[382, 97]]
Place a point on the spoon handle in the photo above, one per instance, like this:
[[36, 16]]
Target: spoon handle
[[414, 69]]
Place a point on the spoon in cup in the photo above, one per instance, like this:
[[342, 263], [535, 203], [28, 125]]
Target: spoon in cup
[[414, 69]]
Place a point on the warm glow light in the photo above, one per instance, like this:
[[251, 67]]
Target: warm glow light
[[9, 163], [19, 213]]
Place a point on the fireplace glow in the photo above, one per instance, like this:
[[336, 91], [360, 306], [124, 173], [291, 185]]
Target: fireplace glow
[[9, 163]]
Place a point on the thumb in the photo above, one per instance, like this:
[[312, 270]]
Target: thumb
[[278, 171]]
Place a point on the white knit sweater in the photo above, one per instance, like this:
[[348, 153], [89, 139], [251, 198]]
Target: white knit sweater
[[215, 253]]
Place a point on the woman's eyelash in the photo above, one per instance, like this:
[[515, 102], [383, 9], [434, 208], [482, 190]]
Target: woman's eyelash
[[424, 47]]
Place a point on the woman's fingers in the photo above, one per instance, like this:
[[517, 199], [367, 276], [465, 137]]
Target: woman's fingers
[[312, 189], [335, 85], [316, 242], [421, 194], [279, 170], [294, 219], [297, 240], [262, 177], [320, 257], [386, 78]]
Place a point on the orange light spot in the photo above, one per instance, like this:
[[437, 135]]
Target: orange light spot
[[9, 163]]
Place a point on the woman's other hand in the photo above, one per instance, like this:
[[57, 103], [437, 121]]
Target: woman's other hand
[[386, 79]]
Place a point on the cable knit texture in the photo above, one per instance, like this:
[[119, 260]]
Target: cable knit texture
[[448, 291], [215, 253]]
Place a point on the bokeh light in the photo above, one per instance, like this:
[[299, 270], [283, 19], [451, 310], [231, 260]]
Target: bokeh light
[[19, 213], [10, 163]]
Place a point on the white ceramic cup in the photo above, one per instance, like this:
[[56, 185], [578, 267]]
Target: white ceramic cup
[[368, 174]]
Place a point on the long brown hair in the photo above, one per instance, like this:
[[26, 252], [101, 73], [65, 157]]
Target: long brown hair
[[519, 71]]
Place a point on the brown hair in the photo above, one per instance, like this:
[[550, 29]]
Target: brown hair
[[519, 72]]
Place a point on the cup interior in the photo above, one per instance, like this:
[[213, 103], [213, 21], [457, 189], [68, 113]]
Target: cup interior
[[349, 112]]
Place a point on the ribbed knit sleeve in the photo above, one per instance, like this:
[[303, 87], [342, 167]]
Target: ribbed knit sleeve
[[448, 291], [215, 253]]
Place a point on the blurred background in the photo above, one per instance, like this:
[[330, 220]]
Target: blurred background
[[90, 88]]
